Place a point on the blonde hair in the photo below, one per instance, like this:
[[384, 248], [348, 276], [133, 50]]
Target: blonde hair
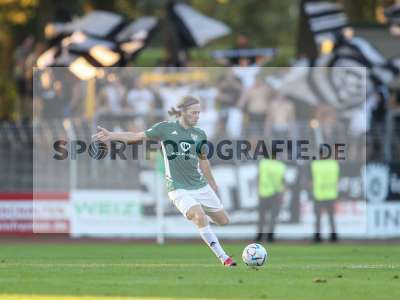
[[183, 104]]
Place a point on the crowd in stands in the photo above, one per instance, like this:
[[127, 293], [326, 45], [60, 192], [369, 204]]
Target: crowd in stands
[[237, 101]]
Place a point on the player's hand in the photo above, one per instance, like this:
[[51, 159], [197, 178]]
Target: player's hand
[[102, 135]]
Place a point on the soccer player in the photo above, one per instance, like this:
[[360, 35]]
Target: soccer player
[[191, 185]]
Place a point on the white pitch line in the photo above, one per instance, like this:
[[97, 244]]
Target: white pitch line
[[213, 265], [64, 297], [104, 265]]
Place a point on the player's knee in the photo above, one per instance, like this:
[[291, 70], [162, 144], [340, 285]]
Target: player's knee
[[198, 217], [201, 219], [193, 213]]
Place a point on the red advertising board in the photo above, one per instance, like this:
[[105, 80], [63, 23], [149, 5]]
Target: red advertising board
[[27, 213]]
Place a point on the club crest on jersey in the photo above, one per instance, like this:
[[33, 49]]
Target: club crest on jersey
[[194, 136], [185, 146]]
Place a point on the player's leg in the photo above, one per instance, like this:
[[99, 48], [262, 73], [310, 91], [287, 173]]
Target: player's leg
[[317, 213], [275, 208], [186, 203], [330, 208], [219, 217], [262, 208], [212, 206], [197, 215]]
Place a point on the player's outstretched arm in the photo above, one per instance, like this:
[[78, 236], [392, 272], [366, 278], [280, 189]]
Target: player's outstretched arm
[[105, 135]]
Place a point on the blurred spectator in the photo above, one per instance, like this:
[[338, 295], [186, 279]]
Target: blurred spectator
[[74, 105], [171, 94], [242, 42], [330, 129], [58, 94], [246, 72], [140, 101], [209, 116], [246, 75], [229, 92], [206, 93], [328, 125], [208, 120], [255, 102], [281, 117], [48, 95], [112, 96]]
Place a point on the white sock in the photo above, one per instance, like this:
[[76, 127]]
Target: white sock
[[211, 240]]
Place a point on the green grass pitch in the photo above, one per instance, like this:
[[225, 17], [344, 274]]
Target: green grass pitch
[[182, 271]]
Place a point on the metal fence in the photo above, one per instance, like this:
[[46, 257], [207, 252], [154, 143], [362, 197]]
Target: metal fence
[[27, 154]]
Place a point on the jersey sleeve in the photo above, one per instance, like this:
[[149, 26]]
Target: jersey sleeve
[[156, 132]]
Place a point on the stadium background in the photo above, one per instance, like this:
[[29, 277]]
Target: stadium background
[[78, 201]]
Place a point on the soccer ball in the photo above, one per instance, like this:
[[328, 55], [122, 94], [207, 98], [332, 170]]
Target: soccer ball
[[254, 255]]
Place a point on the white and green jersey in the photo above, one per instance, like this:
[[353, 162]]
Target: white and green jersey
[[180, 148]]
